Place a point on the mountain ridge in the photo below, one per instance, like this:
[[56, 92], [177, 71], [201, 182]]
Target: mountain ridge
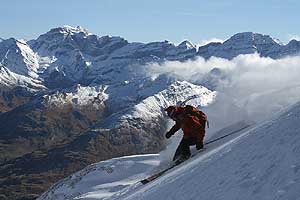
[[67, 55]]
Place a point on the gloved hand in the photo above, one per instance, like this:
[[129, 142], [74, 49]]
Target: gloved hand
[[199, 145], [168, 135]]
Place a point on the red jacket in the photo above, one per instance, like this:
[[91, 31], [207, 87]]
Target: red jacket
[[191, 126]]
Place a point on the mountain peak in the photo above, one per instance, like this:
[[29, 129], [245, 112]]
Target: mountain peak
[[243, 43], [252, 37], [187, 44], [57, 35], [68, 30], [18, 57], [293, 42]]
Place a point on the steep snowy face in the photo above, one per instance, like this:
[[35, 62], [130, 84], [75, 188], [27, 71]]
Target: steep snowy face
[[18, 57], [18, 73], [241, 43]]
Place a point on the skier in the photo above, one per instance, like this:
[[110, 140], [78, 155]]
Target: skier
[[192, 122]]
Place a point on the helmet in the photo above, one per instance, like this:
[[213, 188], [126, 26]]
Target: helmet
[[171, 111]]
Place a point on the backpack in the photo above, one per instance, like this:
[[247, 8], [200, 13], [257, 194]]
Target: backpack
[[201, 116]]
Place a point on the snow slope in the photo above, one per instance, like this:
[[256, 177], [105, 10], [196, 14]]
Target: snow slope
[[259, 163], [103, 179], [118, 177], [263, 163]]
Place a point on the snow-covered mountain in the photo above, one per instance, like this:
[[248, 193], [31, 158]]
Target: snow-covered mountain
[[75, 55], [71, 98], [66, 56], [249, 43], [259, 163]]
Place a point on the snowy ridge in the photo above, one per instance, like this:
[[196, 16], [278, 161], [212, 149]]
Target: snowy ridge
[[67, 55], [150, 109], [80, 96], [177, 92]]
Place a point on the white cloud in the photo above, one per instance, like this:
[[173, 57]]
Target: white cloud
[[258, 86]]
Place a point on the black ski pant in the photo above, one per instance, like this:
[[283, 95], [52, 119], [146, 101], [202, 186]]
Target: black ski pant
[[183, 148]]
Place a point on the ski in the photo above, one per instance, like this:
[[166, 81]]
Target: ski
[[160, 173]]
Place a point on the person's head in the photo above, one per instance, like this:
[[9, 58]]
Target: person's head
[[171, 111]]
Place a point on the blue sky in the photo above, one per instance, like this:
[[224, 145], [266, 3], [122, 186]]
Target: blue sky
[[153, 20]]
